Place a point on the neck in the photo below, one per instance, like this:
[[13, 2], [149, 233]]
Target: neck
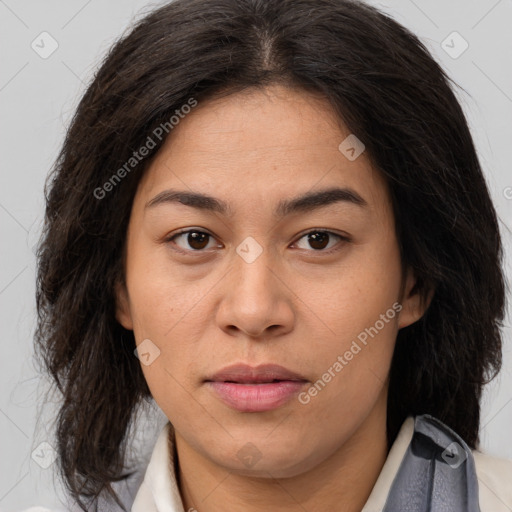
[[342, 482]]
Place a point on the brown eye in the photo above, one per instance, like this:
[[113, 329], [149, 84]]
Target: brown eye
[[320, 240], [193, 240]]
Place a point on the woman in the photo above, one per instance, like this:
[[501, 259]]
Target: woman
[[269, 217]]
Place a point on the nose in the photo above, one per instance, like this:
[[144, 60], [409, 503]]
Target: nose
[[256, 300]]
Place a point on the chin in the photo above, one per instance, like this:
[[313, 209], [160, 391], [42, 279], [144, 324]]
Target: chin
[[269, 469], [267, 459]]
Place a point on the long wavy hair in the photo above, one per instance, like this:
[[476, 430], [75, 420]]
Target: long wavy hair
[[385, 86]]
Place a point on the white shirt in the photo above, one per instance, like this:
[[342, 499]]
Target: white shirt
[[159, 491]]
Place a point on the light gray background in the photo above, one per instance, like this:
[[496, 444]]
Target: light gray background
[[37, 99]]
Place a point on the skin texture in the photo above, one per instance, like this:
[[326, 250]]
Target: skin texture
[[294, 305]]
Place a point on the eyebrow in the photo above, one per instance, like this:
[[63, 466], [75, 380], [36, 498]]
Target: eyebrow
[[304, 203]]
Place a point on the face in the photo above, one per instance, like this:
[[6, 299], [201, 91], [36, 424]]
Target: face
[[273, 270]]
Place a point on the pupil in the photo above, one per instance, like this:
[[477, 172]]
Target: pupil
[[318, 240], [194, 240]]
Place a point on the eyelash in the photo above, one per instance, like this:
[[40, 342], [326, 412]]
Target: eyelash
[[170, 239]]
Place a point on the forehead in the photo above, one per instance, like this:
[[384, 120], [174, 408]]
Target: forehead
[[261, 145]]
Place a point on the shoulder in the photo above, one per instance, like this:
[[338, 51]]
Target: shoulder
[[494, 482]]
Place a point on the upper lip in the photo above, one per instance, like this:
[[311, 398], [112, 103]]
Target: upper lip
[[244, 373]]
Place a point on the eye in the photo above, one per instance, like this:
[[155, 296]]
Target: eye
[[195, 239], [320, 240]]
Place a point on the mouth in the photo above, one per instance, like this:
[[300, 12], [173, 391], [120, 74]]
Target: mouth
[[252, 381], [262, 374], [255, 389]]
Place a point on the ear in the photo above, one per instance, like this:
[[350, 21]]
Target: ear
[[413, 307], [123, 313]]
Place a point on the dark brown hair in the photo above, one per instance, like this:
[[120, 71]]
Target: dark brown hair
[[385, 86]]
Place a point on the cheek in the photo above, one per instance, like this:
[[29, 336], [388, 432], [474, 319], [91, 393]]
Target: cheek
[[161, 299], [355, 339], [166, 316], [351, 376], [354, 294]]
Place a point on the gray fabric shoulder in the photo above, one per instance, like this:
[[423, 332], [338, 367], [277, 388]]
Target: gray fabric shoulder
[[437, 473]]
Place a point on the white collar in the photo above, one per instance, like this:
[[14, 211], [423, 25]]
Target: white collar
[[159, 490]]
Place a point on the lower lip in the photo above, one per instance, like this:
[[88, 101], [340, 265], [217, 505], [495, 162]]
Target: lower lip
[[257, 397]]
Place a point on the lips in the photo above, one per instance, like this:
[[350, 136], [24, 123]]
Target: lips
[[245, 374], [255, 389]]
